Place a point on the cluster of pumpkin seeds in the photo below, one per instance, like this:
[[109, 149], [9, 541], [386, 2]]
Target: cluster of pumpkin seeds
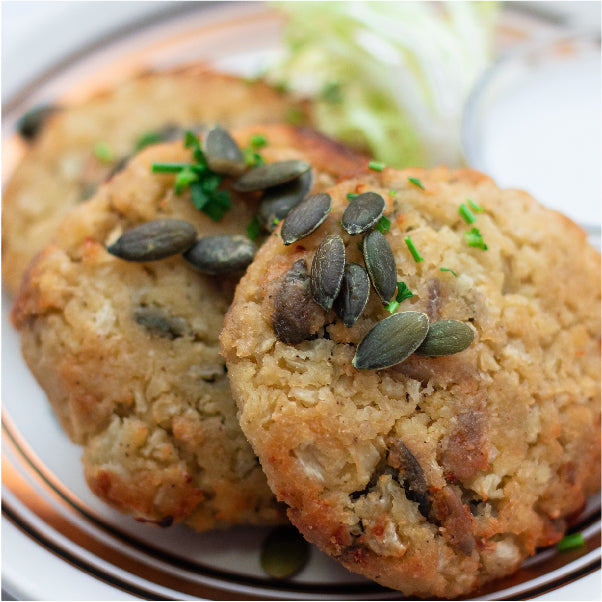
[[159, 239], [345, 287], [285, 184]]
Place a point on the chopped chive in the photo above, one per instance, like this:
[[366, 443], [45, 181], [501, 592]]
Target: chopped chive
[[103, 152], [218, 205], [467, 215], [252, 158], [351, 195], [570, 542], [474, 238], [169, 167], [147, 139], [258, 141], [184, 178], [417, 182], [413, 250], [275, 222], [403, 293], [392, 192], [191, 140], [384, 225], [376, 165], [476, 207], [448, 270], [254, 229], [392, 307]]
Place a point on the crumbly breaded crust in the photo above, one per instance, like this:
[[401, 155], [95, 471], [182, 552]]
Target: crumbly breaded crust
[[152, 406], [440, 473], [61, 169]]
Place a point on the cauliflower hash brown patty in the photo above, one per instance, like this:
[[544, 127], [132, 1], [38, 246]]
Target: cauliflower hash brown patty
[[437, 474], [62, 168], [128, 352]]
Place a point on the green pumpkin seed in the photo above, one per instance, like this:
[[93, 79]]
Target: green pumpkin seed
[[154, 240], [273, 174], [159, 323], [391, 341], [355, 290], [284, 552], [306, 217], [380, 264], [363, 212], [30, 124], [221, 254], [327, 270], [223, 155], [278, 201], [446, 337]]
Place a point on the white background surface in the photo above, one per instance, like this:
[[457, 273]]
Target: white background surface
[[35, 35]]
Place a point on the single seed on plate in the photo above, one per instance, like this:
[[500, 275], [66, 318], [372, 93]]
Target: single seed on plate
[[354, 293], [363, 212], [223, 254], [391, 341], [327, 270], [380, 264], [446, 337], [154, 240], [277, 202], [223, 155], [306, 217], [30, 124], [284, 552], [273, 174]]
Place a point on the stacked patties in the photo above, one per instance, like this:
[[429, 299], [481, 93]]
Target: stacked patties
[[73, 148], [414, 367], [127, 347], [416, 361]]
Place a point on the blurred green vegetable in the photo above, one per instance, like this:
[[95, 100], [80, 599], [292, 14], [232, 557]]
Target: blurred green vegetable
[[391, 77]]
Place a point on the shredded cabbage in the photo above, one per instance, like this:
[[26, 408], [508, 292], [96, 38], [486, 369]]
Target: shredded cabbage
[[389, 77]]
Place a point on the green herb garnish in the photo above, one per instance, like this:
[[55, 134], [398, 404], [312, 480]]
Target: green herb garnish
[[254, 229], [258, 141], [103, 152], [202, 181], [351, 195], [570, 542], [474, 206], [392, 192], [474, 238], [413, 250], [467, 215], [448, 270], [184, 178], [384, 224], [403, 293], [169, 167], [275, 222], [376, 165], [252, 157], [417, 182], [147, 139]]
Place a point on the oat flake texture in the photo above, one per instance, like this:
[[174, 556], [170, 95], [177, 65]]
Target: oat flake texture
[[436, 475]]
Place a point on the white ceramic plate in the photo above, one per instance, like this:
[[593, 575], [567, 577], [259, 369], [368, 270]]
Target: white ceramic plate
[[59, 541]]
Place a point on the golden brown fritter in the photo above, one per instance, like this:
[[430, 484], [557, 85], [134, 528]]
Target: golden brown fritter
[[437, 474], [128, 353]]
